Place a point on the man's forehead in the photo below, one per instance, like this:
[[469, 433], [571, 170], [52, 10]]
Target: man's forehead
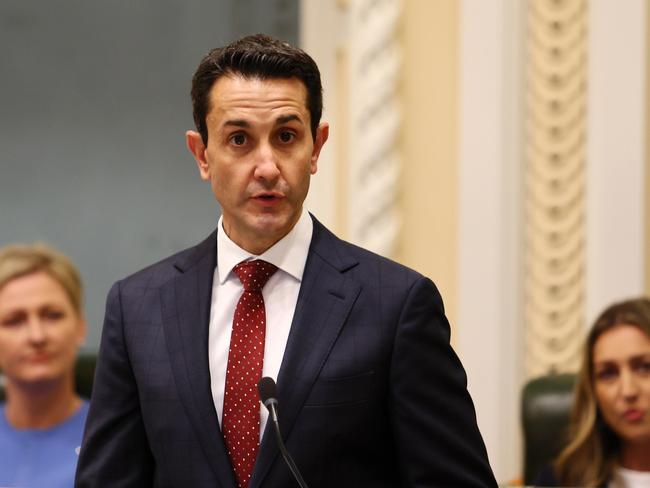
[[233, 91]]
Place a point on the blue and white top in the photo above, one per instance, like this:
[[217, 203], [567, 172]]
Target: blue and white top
[[41, 458]]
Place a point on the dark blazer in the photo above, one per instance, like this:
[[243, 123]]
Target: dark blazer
[[370, 392], [546, 477]]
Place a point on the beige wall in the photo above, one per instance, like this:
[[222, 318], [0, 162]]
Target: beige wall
[[429, 181], [647, 159]]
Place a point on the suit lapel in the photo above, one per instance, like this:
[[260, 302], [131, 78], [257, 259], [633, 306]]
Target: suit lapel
[[324, 303], [186, 303]]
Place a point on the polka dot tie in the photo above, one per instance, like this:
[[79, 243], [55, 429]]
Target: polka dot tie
[[241, 408]]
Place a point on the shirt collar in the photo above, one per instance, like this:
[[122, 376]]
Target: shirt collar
[[289, 254]]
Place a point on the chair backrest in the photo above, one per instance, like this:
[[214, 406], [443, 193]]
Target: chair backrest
[[84, 375], [545, 409]]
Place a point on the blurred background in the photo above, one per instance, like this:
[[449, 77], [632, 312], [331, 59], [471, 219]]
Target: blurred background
[[497, 146], [95, 104]]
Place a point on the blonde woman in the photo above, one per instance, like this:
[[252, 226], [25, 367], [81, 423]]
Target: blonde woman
[[610, 426], [41, 328]]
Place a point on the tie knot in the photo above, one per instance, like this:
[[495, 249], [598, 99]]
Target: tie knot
[[254, 274]]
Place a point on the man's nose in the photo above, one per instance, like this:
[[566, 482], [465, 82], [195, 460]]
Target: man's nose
[[266, 166]]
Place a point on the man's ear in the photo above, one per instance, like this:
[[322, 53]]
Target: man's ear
[[322, 133], [197, 148]]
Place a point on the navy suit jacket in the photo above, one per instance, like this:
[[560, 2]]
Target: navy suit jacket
[[370, 392]]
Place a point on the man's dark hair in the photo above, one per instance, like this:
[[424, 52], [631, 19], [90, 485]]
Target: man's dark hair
[[257, 56]]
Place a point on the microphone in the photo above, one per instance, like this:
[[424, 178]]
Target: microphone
[[269, 395]]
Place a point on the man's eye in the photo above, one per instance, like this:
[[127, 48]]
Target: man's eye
[[286, 136], [238, 139]]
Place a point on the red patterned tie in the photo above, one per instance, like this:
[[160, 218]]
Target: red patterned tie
[[241, 408]]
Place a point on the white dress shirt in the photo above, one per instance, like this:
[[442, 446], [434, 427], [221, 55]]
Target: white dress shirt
[[280, 294]]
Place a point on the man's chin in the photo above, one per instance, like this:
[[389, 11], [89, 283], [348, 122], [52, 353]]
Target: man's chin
[[259, 231], [271, 228], [273, 224]]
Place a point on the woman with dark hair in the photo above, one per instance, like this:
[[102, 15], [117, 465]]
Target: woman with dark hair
[[609, 442], [41, 329]]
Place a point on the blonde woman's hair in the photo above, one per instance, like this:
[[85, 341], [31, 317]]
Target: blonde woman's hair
[[19, 260], [592, 452]]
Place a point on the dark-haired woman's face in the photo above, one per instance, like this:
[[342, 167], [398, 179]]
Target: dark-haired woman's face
[[621, 361]]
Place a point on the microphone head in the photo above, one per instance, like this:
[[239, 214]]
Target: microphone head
[[268, 391]]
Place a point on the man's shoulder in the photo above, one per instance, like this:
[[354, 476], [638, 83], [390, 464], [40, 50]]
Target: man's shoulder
[[163, 270], [359, 259], [379, 268], [159, 271]]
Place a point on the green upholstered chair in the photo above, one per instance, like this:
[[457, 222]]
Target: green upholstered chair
[[84, 374], [545, 409]]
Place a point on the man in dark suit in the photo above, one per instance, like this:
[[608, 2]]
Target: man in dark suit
[[370, 392]]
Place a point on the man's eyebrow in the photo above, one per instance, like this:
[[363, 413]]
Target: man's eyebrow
[[237, 123], [283, 119]]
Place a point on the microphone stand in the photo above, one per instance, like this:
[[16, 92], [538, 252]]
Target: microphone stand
[[285, 454], [267, 390]]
